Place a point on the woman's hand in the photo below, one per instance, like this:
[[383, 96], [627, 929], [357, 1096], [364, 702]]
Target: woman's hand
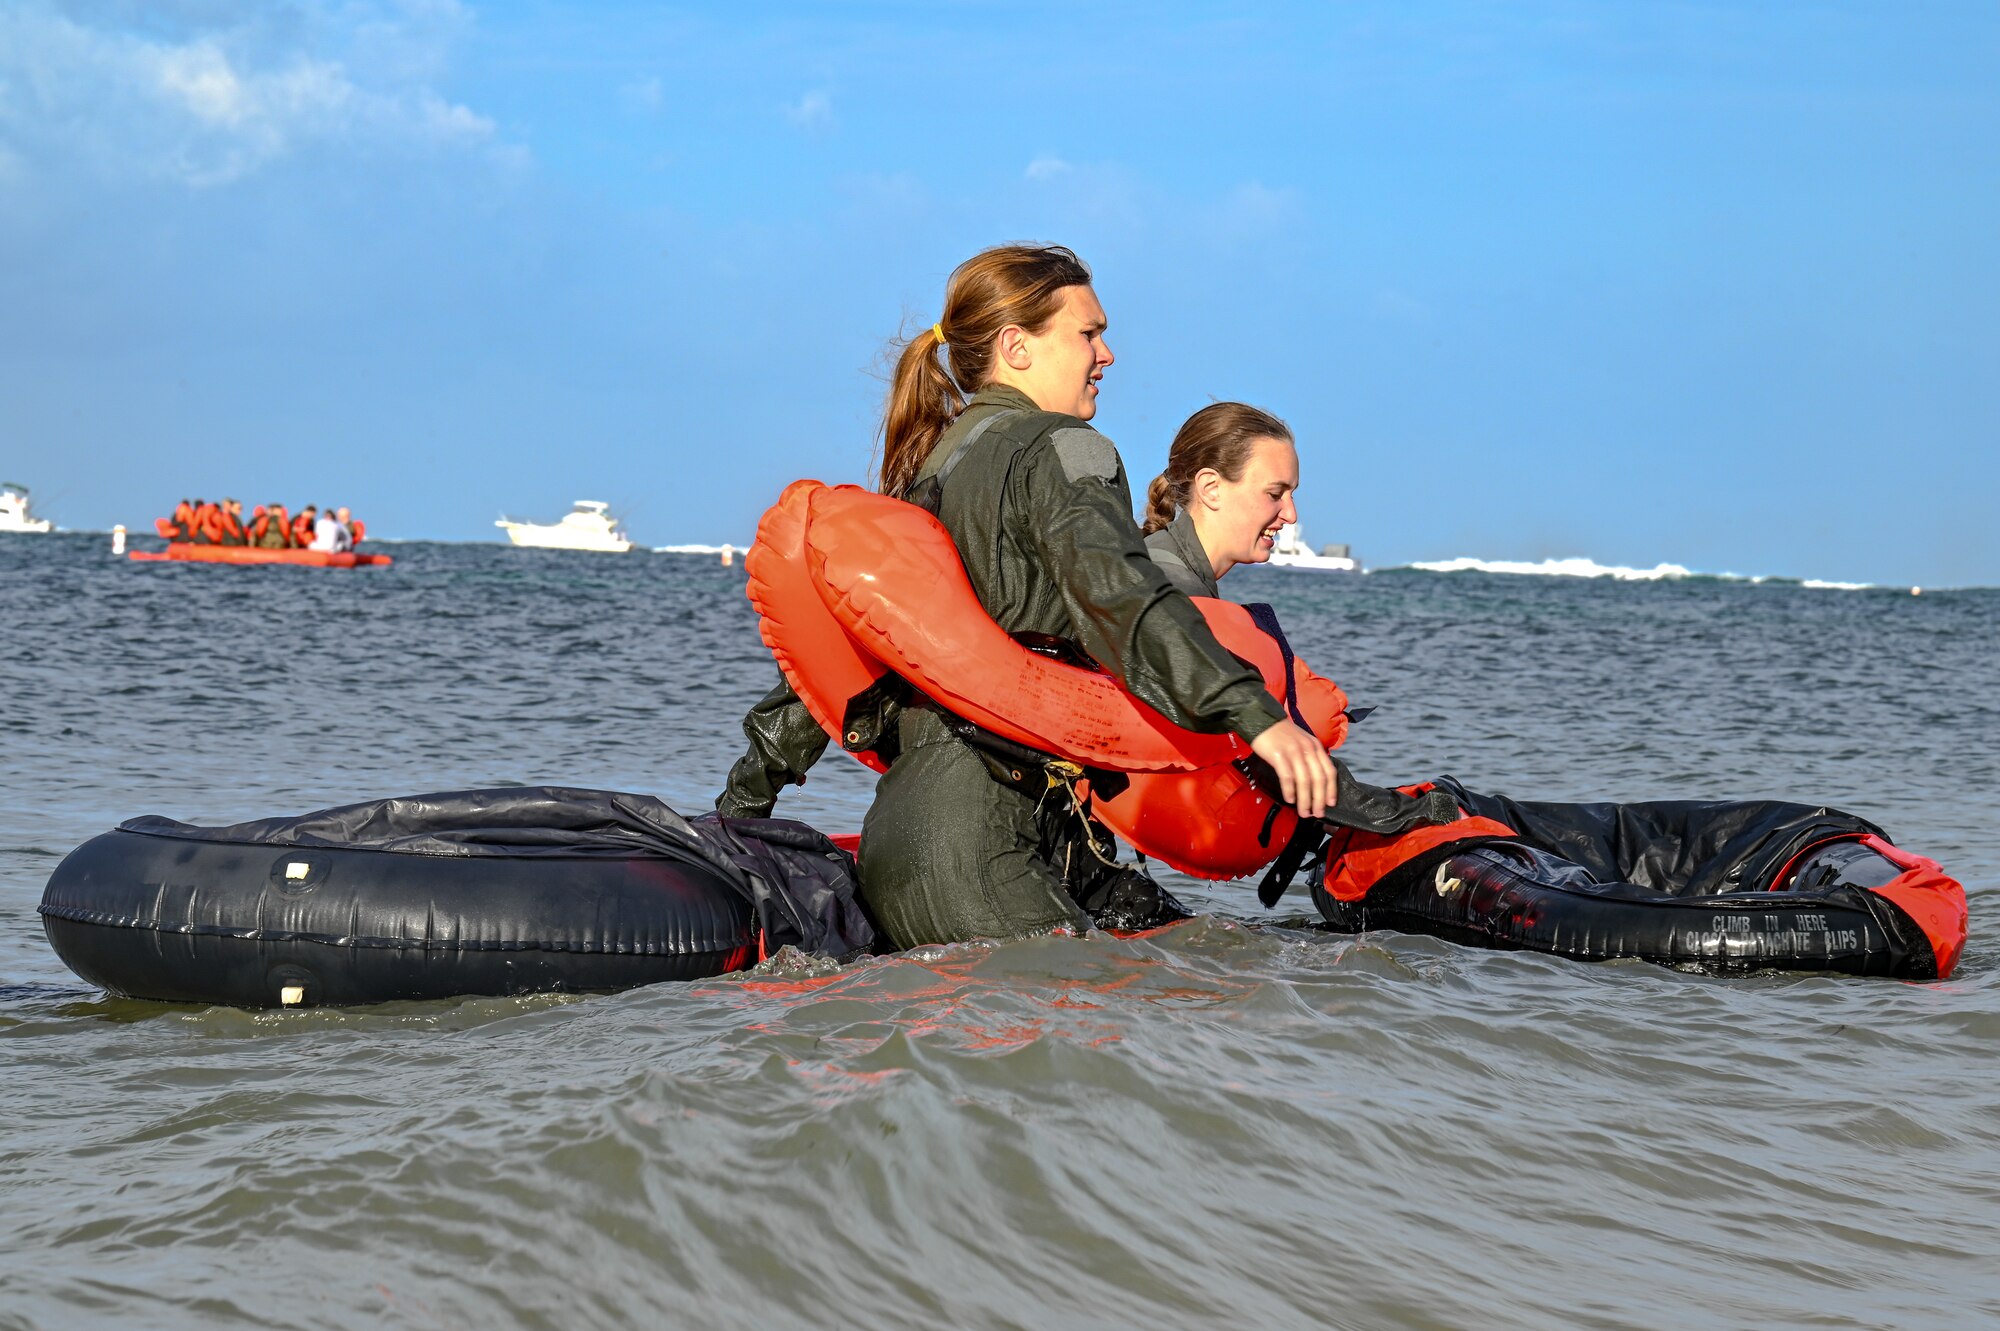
[[1305, 773]]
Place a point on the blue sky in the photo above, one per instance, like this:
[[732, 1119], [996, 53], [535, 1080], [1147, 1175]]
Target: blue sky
[[1712, 284]]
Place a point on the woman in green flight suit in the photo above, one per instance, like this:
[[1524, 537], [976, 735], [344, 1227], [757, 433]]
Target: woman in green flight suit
[[1038, 505], [1226, 494]]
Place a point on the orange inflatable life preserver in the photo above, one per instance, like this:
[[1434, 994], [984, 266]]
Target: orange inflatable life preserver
[[851, 586], [1216, 822]]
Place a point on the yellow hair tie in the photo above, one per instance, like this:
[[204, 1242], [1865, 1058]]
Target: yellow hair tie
[[935, 328]]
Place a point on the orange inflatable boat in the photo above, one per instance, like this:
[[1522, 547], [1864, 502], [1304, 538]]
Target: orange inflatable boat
[[851, 587], [187, 552]]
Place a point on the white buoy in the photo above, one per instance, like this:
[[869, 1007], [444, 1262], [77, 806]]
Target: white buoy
[[118, 539], [728, 555], [1916, 591]]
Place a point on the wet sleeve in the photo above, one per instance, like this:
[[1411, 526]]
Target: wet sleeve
[[1077, 511], [785, 742]]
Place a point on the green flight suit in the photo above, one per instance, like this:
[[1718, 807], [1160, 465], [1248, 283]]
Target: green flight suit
[[1041, 513], [1177, 549]]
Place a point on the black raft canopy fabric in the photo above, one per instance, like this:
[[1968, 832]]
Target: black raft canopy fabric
[[800, 884], [1682, 848]]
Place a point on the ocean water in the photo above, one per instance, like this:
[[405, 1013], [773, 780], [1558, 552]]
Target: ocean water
[[1241, 1121]]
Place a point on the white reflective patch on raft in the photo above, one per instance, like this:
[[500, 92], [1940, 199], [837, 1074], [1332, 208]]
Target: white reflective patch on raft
[[292, 995], [296, 870]]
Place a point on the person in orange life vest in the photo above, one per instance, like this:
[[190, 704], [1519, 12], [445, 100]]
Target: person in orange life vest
[[268, 530], [302, 526], [207, 525], [232, 523], [183, 521]]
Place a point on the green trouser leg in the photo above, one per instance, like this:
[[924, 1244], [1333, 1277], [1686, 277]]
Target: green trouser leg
[[948, 854]]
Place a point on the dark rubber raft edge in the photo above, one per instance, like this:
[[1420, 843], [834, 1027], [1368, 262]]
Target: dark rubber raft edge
[[1499, 894], [268, 926]]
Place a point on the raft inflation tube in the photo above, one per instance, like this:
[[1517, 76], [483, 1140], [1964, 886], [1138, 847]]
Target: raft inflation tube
[[1727, 888], [517, 891], [856, 592], [186, 552]]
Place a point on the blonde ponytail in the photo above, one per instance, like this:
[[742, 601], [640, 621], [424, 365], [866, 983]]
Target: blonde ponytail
[[923, 402]]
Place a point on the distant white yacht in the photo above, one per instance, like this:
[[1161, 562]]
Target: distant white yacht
[[588, 526], [14, 510], [1291, 551]]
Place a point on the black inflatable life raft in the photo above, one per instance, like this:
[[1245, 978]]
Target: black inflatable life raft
[[514, 891], [1724, 887]]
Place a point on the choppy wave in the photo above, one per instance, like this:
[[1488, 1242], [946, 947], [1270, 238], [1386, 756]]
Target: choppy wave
[[1237, 1121], [1581, 566]]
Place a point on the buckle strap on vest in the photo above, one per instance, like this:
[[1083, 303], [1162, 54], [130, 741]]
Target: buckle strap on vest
[[928, 492]]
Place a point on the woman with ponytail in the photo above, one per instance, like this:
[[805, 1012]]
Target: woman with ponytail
[[1224, 497], [987, 427]]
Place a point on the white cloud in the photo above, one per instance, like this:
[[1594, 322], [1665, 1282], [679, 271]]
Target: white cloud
[[208, 107], [449, 122], [1047, 168], [812, 111]]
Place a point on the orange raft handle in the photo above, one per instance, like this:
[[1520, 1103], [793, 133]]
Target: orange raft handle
[[851, 587]]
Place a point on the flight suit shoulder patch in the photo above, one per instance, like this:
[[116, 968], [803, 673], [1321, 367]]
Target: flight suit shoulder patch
[[1084, 454]]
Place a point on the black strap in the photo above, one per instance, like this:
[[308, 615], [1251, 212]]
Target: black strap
[[928, 492], [1306, 840], [868, 722], [1265, 618], [1009, 763], [1364, 808]]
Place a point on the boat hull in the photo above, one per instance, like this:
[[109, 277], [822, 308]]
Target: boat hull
[[188, 553], [1314, 563], [559, 541]]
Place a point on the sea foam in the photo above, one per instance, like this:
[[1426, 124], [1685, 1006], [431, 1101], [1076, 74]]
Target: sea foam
[[1580, 566]]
